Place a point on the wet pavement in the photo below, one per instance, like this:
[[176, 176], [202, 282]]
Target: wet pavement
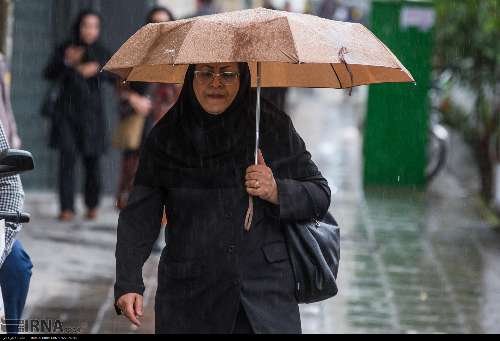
[[411, 261]]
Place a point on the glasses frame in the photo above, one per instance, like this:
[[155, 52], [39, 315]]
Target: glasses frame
[[214, 74]]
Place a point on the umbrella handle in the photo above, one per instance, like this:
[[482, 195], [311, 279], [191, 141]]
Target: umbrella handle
[[257, 113], [249, 214]]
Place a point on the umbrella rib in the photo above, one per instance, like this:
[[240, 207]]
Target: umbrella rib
[[350, 74], [290, 57], [293, 39], [342, 53], [336, 75]]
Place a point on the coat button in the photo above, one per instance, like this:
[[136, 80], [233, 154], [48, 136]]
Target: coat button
[[230, 249], [228, 214]]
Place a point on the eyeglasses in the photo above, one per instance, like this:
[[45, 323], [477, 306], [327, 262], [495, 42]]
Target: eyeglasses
[[226, 78]]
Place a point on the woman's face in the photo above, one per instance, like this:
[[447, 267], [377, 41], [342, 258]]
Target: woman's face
[[160, 16], [90, 29], [215, 93]]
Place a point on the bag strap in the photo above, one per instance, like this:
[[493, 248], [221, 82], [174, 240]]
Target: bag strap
[[328, 218]]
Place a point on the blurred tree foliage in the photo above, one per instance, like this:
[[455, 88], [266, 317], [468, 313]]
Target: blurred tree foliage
[[468, 44]]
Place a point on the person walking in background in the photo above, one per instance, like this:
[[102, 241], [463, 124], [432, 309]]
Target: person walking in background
[[328, 8], [78, 125], [268, 4], [15, 264], [148, 102], [287, 7], [163, 96], [205, 7], [133, 108]]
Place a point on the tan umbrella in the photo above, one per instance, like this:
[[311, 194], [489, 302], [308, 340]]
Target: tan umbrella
[[288, 50], [282, 49], [294, 50]]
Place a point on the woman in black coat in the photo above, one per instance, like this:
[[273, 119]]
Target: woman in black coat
[[78, 125], [218, 274]]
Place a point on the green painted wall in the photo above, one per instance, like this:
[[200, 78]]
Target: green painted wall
[[395, 136]]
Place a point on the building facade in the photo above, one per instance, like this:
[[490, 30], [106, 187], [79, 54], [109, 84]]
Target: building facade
[[30, 30]]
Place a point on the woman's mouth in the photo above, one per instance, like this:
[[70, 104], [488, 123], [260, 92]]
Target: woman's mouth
[[216, 97]]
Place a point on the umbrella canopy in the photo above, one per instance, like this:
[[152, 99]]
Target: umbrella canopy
[[293, 50]]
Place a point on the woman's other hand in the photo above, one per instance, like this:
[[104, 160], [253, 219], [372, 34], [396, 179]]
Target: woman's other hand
[[88, 70], [260, 182], [73, 55], [131, 307], [141, 104]]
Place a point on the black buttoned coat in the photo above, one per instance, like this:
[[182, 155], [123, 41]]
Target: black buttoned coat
[[211, 264], [79, 123]]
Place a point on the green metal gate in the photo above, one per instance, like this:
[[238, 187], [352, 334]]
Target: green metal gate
[[395, 136]]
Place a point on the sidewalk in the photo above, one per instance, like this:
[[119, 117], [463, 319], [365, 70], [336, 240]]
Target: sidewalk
[[411, 261]]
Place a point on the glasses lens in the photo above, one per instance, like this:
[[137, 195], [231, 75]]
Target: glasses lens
[[229, 77], [204, 76], [208, 76]]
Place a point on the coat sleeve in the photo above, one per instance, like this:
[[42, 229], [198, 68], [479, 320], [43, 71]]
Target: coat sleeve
[[138, 228], [304, 194], [303, 199], [139, 225], [56, 67]]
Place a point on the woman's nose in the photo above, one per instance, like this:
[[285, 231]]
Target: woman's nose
[[216, 83]]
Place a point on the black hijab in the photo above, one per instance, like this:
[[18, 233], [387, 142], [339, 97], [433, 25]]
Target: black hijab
[[215, 138], [77, 23], [94, 52], [191, 148]]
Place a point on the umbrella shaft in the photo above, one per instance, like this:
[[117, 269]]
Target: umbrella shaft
[[257, 114]]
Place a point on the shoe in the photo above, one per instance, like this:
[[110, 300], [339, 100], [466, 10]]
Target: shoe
[[91, 214], [66, 216]]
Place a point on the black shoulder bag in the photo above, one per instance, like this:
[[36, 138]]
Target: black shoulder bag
[[314, 250]]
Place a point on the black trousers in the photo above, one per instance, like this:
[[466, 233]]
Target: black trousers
[[92, 183]]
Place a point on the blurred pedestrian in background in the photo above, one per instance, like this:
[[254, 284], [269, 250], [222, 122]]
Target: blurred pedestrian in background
[[15, 264], [78, 125], [287, 7], [205, 7], [268, 4], [141, 106], [328, 8]]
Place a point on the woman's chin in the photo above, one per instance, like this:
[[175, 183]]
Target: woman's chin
[[215, 109]]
